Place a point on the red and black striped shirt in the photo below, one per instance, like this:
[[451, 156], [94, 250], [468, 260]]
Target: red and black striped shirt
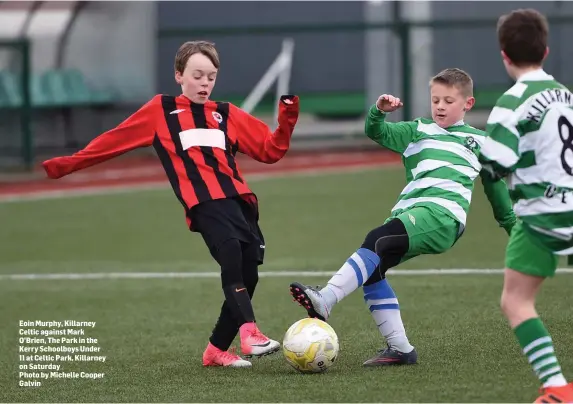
[[196, 144]]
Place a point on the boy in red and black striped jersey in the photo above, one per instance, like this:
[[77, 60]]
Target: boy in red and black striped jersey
[[196, 140]]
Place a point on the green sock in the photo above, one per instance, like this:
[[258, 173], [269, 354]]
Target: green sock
[[538, 347]]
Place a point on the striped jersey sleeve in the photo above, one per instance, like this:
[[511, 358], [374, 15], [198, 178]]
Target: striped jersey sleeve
[[502, 146], [531, 142]]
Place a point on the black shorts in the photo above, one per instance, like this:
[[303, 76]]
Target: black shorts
[[220, 220]]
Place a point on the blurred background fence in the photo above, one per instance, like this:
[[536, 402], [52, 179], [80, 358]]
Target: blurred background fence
[[71, 70]]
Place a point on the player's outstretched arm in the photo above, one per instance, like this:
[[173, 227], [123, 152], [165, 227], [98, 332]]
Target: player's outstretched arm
[[256, 139], [394, 136], [136, 131], [498, 196]]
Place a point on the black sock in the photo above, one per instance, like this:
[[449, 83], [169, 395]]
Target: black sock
[[227, 328], [237, 308], [239, 301]]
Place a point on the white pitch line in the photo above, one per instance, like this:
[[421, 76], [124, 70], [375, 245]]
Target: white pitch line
[[263, 274]]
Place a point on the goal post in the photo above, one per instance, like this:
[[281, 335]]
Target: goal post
[[279, 71]]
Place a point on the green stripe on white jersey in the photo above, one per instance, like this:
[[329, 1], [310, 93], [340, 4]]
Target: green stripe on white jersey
[[531, 140], [441, 166]]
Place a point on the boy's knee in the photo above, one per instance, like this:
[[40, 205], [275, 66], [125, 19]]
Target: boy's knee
[[251, 267], [510, 306], [229, 256], [251, 253], [505, 303], [516, 307], [519, 292], [230, 249], [370, 239], [388, 238]]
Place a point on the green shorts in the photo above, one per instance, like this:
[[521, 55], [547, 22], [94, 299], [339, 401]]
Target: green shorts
[[528, 255], [430, 231]]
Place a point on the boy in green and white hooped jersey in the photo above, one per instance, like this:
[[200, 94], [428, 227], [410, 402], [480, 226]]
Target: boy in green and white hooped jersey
[[531, 142], [441, 160]]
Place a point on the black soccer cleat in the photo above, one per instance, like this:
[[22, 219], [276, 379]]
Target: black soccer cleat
[[390, 357], [311, 299]]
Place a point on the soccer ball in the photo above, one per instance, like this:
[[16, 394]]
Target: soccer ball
[[310, 345]]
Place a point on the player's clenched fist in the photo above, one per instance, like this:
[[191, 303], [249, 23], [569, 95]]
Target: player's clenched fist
[[388, 103]]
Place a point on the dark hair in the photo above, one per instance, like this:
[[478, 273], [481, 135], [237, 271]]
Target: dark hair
[[522, 35]]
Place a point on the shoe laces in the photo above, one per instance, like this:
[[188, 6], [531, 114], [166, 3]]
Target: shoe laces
[[315, 290], [258, 336], [382, 350], [230, 355]]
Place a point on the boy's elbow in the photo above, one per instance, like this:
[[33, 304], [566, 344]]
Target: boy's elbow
[[368, 127], [370, 131], [265, 155], [274, 150], [273, 157], [373, 129]]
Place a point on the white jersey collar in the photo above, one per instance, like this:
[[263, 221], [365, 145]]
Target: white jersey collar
[[535, 75]]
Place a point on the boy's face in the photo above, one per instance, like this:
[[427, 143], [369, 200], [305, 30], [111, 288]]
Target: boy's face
[[198, 78], [448, 104]]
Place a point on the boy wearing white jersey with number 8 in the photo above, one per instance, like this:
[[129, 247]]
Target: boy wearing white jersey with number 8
[[441, 157], [531, 142]]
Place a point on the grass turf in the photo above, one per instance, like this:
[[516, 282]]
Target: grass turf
[[153, 331]]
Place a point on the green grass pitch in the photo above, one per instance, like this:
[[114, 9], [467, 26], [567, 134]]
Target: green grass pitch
[[153, 331]]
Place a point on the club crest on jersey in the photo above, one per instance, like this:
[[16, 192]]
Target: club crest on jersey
[[471, 143], [217, 116]]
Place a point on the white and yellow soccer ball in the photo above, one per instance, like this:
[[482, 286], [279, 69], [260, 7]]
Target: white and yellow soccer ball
[[310, 345]]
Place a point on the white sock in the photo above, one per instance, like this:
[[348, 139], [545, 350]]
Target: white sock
[[390, 324], [556, 381], [383, 305], [355, 271], [330, 294]]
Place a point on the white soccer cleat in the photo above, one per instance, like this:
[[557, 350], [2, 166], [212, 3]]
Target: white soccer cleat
[[255, 343], [311, 299]]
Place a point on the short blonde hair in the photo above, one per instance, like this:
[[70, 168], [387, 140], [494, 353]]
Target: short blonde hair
[[188, 49], [455, 77]]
